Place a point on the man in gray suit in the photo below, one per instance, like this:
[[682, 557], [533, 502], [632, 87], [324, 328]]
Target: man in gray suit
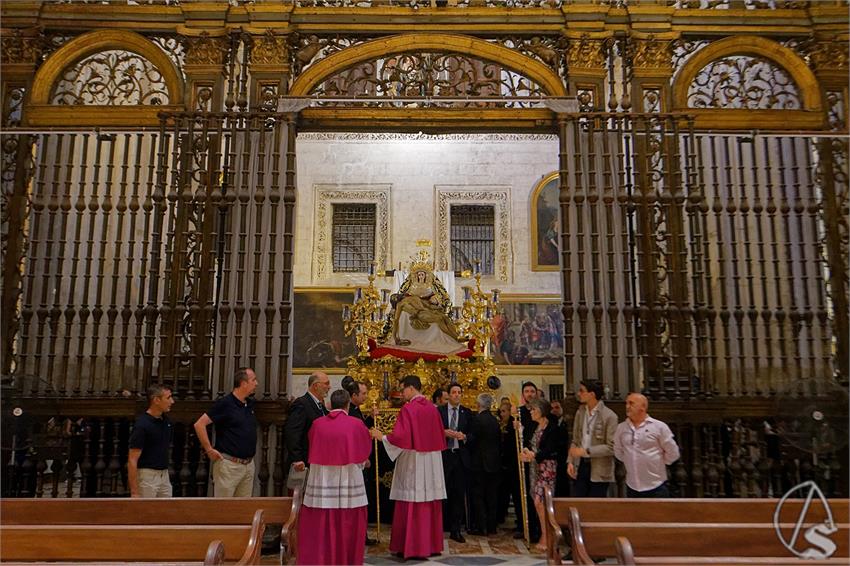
[[591, 457]]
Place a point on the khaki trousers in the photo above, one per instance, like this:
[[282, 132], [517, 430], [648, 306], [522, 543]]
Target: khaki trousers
[[232, 479], [154, 483]]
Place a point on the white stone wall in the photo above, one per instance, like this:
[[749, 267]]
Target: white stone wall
[[413, 166]]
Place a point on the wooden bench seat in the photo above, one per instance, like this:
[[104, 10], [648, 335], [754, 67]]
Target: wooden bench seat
[[215, 544], [740, 531], [208, 516]]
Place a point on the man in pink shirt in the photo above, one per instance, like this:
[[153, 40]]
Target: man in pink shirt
[[416, 443], [335, 495]]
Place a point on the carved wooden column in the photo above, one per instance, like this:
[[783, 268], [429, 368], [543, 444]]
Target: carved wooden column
[[586, 68], [204, 69], [652, 71], [20, 53], [269, 70], [829, 58]]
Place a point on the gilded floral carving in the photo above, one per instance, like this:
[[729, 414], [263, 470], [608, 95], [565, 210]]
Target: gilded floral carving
[[500, 199], [326, 196], [19, 49], [586, 52], [653, 53], [270, 49], [829, 55], [206, 50]]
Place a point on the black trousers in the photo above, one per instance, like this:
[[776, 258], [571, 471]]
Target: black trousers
[[455, 474], [485, 499], [583, 487]]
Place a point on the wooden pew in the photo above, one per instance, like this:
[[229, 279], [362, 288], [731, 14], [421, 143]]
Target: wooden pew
[[683, 529], [190, 511], [133, 543]]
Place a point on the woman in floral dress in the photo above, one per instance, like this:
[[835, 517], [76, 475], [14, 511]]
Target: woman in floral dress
[[542, 454]]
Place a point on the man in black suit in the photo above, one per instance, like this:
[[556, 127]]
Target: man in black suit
[[485, 439], [302, 413], [456, 462]]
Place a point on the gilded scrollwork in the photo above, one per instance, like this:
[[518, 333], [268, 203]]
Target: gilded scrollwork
[[653, 53], [18, 48], [326, 196], [549, 50], [206, 50], [429, 74], [586, 53], [499, 197], [743, 81], [828, 55], [111, 78], [683, 49], [306, 49], [270, 49]]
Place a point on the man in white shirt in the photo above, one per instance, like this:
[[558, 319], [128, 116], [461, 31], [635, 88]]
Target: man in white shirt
[[646, 447]]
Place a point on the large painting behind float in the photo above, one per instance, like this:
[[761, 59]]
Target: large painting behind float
[[528, 331], [545, 224], [319, 337]]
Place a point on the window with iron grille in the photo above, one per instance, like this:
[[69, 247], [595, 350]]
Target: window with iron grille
[[353, 236], [473, 237], [556, 392]]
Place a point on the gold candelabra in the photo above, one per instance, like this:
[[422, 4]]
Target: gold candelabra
[[365, 316], [473, 317]]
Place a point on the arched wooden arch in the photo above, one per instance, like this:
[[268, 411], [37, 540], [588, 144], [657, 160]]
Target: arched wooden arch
[[40, 112], [429, 119], [810, 116]]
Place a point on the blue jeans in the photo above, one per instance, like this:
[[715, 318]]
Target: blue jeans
[[660, 491]]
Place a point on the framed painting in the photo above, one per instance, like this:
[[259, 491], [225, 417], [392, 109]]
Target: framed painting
[[528, 331], [319, 339], [546, 224]]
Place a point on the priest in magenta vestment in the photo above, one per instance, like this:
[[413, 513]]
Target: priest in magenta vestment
[[416, 443], [332, 524]]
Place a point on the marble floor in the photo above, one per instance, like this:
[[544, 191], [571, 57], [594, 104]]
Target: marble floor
[[501, 549]]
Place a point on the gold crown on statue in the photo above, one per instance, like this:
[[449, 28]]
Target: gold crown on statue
[[421, 261]]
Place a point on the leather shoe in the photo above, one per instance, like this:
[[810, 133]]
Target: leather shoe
[[457, 537], [476, 532], [371, 541]]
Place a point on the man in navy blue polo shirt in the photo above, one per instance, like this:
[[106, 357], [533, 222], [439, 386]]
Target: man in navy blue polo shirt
[[147, 463], [235, 437]]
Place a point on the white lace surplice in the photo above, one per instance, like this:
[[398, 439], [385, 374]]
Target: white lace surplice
[[335, 487], [418, 476]]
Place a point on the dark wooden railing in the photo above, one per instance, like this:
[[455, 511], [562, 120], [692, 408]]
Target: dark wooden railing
[[78, 448]]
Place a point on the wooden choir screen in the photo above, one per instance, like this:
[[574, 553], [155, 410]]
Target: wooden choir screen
[[158, 256], [694, 264]]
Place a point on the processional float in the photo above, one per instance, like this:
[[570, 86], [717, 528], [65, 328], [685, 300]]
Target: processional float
[[415, 329]]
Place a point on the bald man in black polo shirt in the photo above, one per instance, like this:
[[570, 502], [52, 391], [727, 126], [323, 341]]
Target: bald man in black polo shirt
[[235, 437]]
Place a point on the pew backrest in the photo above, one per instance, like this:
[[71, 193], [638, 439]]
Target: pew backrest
[[134, 543], [682, 527]]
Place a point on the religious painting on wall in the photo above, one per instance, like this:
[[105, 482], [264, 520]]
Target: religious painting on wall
[[319, 339], [529, 330], [545, 224]]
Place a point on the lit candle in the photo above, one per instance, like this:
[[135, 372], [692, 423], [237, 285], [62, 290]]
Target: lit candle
[[372, 268], [488, 312], [346, 313], [476, 267], [467, 293], [385, 296], [496, 293], [455, 313], [358, 294]]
